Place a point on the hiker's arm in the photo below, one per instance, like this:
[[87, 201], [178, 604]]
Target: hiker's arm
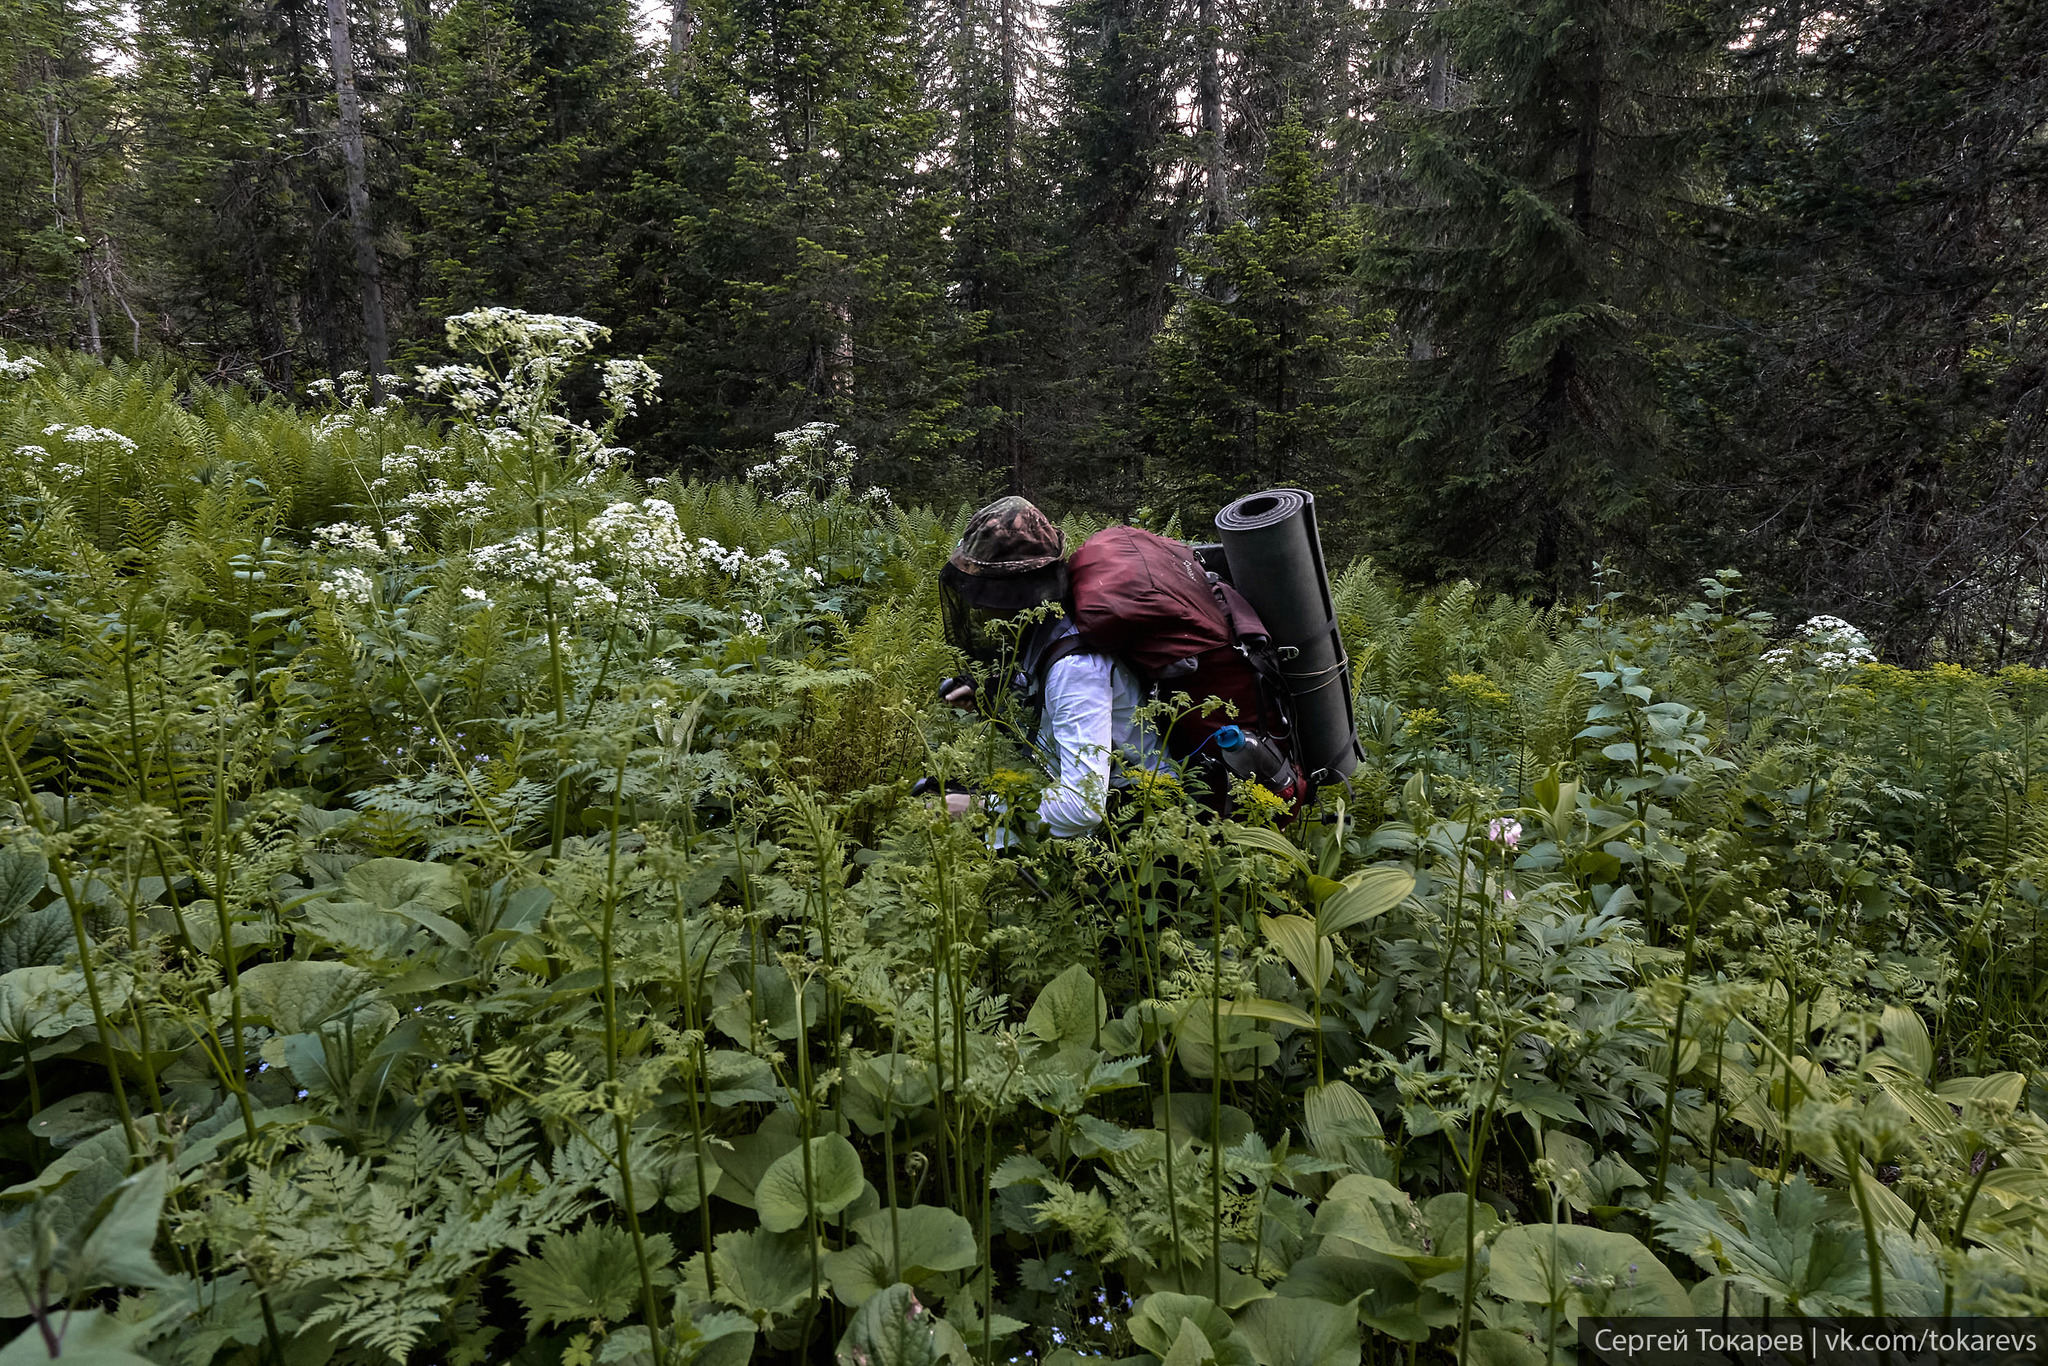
[[1076, 735]]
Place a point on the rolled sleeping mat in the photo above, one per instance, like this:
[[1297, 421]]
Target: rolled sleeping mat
[[1276, 561]]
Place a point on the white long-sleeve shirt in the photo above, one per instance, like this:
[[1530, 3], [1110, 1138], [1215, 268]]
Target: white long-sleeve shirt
[[1090, 728]]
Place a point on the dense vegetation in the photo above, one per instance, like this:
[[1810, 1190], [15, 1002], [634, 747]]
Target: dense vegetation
[[1514, 288], [462, 903]]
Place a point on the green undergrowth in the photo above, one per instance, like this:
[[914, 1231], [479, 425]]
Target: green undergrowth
[[461, 903]]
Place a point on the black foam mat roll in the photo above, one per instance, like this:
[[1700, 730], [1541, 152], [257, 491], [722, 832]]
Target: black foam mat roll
[[1276, 560]]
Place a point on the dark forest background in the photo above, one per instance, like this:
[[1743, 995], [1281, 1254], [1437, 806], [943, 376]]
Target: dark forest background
[[1545, 293]]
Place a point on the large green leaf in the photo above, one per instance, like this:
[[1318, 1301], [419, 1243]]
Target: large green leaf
[[689, 1178], [931, 1240], [299, 995], [1191, 1347], [1155, 1325], [1187, 1117], [1500, 1347], [718, 1337], [1378, 1218], [1905, 1037], [23, 875], [1266, 841], [1584, 1271], [880, 1091], [1245, 1047], [835, 1182], [1368, 894], [41, 938], [1299, 1332], [891, 1329], [89, 1338], [587, 1274], [1385, 1294], [1305, 950], [768, 998], [42, 1003], [374, 892], [401, 884], [1780, 1244], [764, 1275], [746, 1159], [1342, 1124], [117, 1251], [921, 1240], [75, 1117], [1070, 1010]]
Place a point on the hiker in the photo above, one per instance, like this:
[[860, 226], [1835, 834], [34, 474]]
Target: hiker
[[1088, 733]]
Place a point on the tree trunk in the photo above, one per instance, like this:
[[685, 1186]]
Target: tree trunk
[[1211, 93], [368, 275], [85, 263], [1006, 36], [1588, 147], [681, 22], [1564, 364], [1436, 87]]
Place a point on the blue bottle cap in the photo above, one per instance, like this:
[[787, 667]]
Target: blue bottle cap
[[1229, 737]]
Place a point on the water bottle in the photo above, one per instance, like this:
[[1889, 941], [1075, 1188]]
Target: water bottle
[[1254, 756]]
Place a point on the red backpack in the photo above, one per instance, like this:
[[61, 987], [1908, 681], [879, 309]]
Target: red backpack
[[1149, 602]]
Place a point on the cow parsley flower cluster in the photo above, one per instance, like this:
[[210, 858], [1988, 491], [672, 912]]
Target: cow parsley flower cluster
[[813, 466], [577, 583], [647, 540], [354, 412], [353, 538], [38, 458], [468, 389], [348, 588], [523, 558], [1829, 644], [523, 336], [510, 398], [17, 367], [626, 382], [90, 436], [469, 503]]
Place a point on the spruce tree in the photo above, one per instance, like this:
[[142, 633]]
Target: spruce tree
[[1121, 212], [1862, 420], [1530, 259], [791, 258], [516, 174], [1245, 365], [61, 268]]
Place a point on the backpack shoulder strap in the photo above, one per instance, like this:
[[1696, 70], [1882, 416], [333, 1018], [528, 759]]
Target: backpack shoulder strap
[[1065, 647]]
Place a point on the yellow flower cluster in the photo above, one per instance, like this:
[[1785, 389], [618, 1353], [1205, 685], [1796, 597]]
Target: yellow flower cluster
[[1423, 721], [1477, 690], [1256, 805]]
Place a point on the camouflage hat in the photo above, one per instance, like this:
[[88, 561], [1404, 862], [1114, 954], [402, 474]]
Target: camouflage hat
[[1009, 537]]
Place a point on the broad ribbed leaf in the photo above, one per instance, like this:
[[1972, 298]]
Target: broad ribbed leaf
[[890, 1329], [1368, 894], [117, 1251], [1584, 1271], [835, 1182], [1070, 1010], [588, 1274], [1305, 950], [1300, 1333]]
